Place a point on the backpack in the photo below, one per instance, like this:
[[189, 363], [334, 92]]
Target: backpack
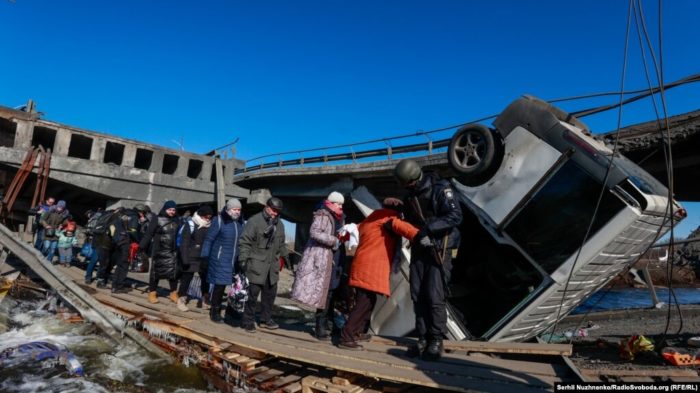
[[101, 223], [178, 238]]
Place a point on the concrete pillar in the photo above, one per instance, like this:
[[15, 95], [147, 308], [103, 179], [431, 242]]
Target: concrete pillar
[[23, 136], [97, 153], [157, 161], [228, 172], [129, 155], [205, 174], [182, 163], [60, 147]]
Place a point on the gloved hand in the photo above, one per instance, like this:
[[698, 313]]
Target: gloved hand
[[242, 266], [425, 241], [389, 226], [288, 263], [424, 231]]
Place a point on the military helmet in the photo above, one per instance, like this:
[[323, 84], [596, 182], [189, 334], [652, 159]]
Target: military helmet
[[275, 203], [140, 207], [407, 171]]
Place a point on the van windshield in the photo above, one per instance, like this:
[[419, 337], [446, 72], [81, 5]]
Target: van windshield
[[552, 225]]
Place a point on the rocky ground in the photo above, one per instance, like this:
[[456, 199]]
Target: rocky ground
[[600, 348]]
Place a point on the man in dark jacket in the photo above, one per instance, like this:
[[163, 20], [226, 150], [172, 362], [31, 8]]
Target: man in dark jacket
[[261, 246], [432, 207], [112, 248], [43, 207], [162, 233]]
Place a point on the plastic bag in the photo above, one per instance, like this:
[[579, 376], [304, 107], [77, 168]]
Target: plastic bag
[[86, 250]]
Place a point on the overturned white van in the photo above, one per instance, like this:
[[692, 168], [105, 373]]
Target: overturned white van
[[550, 216]]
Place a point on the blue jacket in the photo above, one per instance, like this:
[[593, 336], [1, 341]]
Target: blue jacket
[[221, 247]]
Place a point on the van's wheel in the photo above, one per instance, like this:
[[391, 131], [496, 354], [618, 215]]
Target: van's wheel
[[472, 151]]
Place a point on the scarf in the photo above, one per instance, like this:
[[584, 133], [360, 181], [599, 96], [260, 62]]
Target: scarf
[[335, 210], [200, 222]]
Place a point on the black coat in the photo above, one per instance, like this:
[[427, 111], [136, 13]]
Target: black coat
[[191, 246], [161, 235]]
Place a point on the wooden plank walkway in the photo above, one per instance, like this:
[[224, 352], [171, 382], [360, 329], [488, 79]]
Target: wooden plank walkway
[[384, 358]]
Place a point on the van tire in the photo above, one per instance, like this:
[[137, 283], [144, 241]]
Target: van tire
[[472, 153]]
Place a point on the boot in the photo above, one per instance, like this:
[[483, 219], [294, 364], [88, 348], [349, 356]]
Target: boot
[[182, 304], [152, 297], [434, 350], [415, 350], [215, 314], [322, 332], [173, 296]]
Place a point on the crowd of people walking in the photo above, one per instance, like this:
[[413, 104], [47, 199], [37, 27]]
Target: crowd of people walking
[[225, 251]]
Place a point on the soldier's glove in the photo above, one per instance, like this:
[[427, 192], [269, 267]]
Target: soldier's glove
[[389, 226], [425, 241]]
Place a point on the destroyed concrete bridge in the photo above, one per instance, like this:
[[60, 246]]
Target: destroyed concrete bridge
[[94, 169], [91, 169]]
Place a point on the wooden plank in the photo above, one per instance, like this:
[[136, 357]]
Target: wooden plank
[[490, 347], [287, 379], [637, 379], [292, 388], [232, 356], [661, 372], [269, 374]]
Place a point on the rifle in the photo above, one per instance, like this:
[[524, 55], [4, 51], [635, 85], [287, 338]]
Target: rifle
[[439, 258]]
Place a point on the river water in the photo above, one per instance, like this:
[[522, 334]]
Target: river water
[[623, 298], [126, 368]]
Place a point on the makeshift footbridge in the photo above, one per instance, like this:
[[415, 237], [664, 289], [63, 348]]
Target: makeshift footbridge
[[290, 359]]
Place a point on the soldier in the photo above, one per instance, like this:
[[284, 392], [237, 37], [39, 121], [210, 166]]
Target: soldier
[[431, 206], [262, 244]]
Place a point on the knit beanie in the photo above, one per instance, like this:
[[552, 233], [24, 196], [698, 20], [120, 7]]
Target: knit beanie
[[205, 210], [336, 197], [169, 205], [233, 203], [61, 204]]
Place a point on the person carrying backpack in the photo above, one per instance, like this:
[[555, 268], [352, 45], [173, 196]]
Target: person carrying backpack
[[161, 236], [115, 231], [190, 237]]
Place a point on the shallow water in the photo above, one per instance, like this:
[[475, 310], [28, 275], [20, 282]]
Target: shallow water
[[625, 298], [108, 368]]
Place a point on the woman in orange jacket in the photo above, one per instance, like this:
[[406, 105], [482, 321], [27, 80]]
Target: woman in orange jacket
[[371, 266]]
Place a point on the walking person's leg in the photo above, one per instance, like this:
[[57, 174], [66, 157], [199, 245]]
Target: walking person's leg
[[250, 306], [217, 294], [184, 285], [267, 301]]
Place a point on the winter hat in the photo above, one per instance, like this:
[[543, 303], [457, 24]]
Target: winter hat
[[61, 204], [169, 205], [233, 203], [205, 210], [393, 203], [336, 197]]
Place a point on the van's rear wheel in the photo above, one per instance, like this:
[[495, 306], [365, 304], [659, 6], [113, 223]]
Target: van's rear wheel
[[472, 151]]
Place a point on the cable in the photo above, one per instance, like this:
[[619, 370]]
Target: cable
[[607, 173]]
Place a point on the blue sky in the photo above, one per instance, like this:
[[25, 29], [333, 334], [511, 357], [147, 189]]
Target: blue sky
[[286, 75]]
